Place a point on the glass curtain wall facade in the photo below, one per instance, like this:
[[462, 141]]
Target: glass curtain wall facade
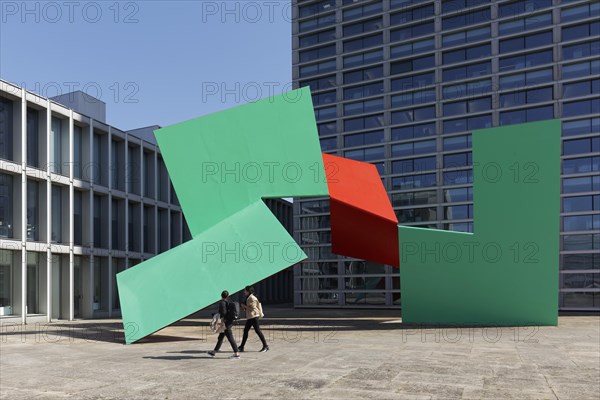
[[401, 84], [71, 211]]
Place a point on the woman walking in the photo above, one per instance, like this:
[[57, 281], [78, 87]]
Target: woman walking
[[253, 313]]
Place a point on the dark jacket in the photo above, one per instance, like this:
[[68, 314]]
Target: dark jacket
[[228, 317]]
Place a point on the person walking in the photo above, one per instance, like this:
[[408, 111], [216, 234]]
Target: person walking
[[227, 311], [254, 311]]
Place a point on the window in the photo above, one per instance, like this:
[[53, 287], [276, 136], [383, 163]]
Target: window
[[469, 71], [367, 154], [413, 181], [467, 89], [363, 42], [526, 60], [581, 127], [526, 78], [457, 143], [328, 144], [315, 69], [6, 129], [363, 74], [472, 35], [583, 88], [315, 23], [581, 146], [413, 98], [523, 6], [414, 115], [581, 165], [457, 160], [369, 122], [316, 38], [315, 54], [315, 8], [581, 223], [457, 5], [413, 81], [413, 148], [320, 84], [414, 198], [412, 31], [580, 12], [458, 212], [327, 128], [326, 113], [526, 97], [581, 50], [412, 48], [581, 203], [581, 107], [56, 145], [357, 92], [468, 106], [364, 58], [580, 31], [6, 205], [525, 42], [363, 11], [459, 177], [470, 53], [363, 27], [470, 18], [323, 98], [414, 165], [583, 184], [32, 211], [527, 115], [415, 14], [467, 124], [413, 131], [581, 69], [525, 24], [32, 138], [363, 106], [415, 64], [57, 205], [362, 139]]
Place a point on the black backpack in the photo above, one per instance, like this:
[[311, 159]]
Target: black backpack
[[233, 310]]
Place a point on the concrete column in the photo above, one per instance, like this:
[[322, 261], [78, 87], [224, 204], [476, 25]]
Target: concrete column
[[49, 214], [71, 219], [23, 206]]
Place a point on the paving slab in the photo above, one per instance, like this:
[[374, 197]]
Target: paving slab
[[315, 354]]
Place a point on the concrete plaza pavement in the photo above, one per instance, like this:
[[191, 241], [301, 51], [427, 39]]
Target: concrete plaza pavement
[[320, 354]]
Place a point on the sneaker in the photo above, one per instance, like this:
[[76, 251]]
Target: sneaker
[[264, 349], [234, 357], [241, 349], [211, 353]]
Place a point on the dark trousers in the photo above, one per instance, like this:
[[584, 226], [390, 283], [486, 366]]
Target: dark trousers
[[253, 322], [229, 335]]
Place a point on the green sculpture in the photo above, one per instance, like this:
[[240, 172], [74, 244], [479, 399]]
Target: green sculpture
[[506, 272], [222, 166]]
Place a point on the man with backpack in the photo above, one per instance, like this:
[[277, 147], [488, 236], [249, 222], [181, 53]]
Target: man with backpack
[[229, 313]]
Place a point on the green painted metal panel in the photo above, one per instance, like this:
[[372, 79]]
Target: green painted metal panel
[[239, 250], [221, 166], [506, 272], [221, 162]]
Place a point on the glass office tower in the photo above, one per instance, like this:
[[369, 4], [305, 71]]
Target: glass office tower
[[401, 84]]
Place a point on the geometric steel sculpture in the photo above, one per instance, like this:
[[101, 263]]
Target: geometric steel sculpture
[[363, 222], [506, 272], [222, 165]]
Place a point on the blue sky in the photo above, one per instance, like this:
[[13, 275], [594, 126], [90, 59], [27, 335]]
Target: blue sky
[[152, 62]]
